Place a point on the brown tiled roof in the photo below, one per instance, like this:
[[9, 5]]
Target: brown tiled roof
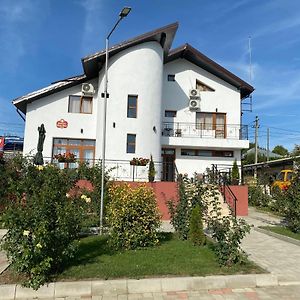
[[196, 57], [164, 35]]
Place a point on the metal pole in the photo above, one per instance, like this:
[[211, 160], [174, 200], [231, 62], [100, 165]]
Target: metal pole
[[104, 136], [256, 145], [268, 144], [121, 16]]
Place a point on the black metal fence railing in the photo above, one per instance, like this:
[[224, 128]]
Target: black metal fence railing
[[200, 130], [121, 170], [221, 176]]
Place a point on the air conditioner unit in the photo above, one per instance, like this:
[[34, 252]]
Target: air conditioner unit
[[87, 89], [194, 94], [194, 104]]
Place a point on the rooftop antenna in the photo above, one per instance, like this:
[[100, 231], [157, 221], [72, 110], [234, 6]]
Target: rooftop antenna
[[250, 59], [247, 102]]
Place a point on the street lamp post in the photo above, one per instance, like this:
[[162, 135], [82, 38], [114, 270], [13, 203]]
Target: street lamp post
[[124, 13]]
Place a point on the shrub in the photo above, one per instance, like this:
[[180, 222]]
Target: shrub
[[290, 205], [191, 193], [196, 233], [235, 175], [133, 217], [151, 172], [43, 222], [228, 233], [257, 197]]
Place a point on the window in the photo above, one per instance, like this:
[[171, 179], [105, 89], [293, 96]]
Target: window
[[203, 87], [131, 138], [132, 106], [204, 121], [170, 113], [206, 153], [84, 150], [80, 104], [171, 77], [212, 121]]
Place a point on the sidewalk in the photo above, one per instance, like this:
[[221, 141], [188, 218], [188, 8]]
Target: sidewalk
[[3, 259], [276, 256]]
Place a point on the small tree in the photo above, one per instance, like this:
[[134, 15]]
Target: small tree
[[151, 172], [280, 150], [196, 233], [133, 217], [235, 175]]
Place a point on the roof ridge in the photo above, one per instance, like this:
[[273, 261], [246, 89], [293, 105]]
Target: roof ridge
[[175, 24]]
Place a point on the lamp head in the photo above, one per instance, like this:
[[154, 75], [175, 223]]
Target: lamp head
[[124, 12]]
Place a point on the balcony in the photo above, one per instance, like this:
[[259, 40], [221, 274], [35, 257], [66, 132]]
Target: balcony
[[205, 135]]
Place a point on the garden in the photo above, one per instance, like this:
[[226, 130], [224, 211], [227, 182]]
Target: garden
[[48, 217], [284, 203]]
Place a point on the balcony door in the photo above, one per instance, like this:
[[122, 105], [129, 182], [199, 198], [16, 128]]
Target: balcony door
[[168, 167]]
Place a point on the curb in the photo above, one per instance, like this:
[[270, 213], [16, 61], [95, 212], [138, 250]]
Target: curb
[[132, 286], [278, 236]]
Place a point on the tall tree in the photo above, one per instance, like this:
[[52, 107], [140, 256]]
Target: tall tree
[[279, 149]]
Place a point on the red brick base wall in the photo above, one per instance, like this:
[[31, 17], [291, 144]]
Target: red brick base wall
[[241, 193]]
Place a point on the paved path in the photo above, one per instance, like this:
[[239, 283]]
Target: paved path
[[3, 259], [278, 257]]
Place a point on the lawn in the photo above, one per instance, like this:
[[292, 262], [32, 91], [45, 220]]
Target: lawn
[[172, 257], [283, 231]]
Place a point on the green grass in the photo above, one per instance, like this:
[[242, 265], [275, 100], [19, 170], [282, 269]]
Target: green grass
[[172, 258], [283, 231]]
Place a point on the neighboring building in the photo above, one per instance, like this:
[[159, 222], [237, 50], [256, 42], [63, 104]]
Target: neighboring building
[[149, 111], [11, 144], [262, 152]]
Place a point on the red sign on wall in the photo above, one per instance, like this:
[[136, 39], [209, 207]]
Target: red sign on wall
[[62, 123]]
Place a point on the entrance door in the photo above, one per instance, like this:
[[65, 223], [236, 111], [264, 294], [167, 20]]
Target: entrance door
[[168, 168]]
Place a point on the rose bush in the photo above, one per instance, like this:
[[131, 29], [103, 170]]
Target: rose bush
[[43, 221]]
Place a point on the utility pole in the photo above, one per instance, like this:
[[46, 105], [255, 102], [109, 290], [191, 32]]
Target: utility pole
[[268, 143], [256, 144]]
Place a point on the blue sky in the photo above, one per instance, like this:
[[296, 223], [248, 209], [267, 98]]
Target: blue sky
[[43, 41]]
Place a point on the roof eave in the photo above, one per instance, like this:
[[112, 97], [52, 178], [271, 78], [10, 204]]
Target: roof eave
[[193, 55], [164, 35]]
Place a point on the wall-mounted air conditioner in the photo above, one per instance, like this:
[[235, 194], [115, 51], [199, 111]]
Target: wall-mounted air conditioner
[[87, 89], [194, 104]]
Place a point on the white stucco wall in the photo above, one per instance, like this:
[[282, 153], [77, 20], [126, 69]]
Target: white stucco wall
[[49, 110], [135, 71], [225, 99], [191, 164]]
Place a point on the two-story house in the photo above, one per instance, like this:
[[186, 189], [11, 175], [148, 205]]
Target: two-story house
[[177, 105]]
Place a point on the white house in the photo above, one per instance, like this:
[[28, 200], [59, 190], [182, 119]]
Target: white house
[[177, 105]]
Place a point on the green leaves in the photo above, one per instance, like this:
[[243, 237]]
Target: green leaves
[[42, 222], [133, 217]]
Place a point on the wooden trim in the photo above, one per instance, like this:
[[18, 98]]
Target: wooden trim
[[210, 89], [81, 102], [80, 147]]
